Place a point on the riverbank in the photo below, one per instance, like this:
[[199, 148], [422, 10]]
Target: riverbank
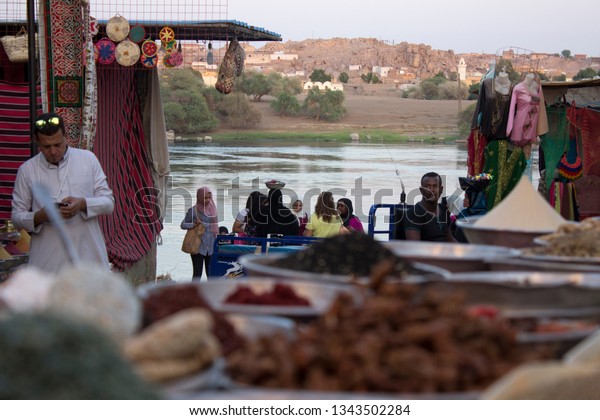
[[376, 116]]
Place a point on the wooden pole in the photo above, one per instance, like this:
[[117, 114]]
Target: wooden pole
[[459, 95]]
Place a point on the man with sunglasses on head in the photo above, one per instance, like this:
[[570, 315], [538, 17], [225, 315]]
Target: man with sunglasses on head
[[78, 185]]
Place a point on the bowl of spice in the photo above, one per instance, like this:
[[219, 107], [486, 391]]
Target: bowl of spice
[[342, 258]]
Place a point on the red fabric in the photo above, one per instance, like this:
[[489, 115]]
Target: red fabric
[[590, 140], [132, 228], [475, 152], [15, 142]]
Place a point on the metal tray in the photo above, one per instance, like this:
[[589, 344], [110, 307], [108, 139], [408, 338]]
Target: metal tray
[[452, 257], [563, 259], [260, 265], [320, 295], [523, 290], [520, 264]]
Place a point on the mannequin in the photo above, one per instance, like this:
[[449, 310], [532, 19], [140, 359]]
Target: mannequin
[[531, 84], [502, 83], [524, 111]]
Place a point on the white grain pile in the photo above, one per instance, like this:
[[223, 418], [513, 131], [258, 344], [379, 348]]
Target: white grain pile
[[523, 209]]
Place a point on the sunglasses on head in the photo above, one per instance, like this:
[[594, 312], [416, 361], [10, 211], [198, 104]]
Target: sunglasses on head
[[55, 121]]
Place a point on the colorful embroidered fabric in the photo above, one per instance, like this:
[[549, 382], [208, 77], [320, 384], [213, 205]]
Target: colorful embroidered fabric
[[505, 163]]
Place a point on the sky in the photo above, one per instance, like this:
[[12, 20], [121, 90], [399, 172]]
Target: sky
[[549, 26]]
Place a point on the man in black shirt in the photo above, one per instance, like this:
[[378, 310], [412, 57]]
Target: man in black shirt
[[429, 220]]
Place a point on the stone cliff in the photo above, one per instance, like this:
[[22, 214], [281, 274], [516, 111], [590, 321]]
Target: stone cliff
[[337, 54]]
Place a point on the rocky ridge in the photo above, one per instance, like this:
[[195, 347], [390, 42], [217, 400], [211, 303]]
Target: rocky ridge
[[337, 54]]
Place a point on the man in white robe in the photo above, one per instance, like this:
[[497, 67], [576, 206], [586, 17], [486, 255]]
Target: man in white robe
[[78, 184]]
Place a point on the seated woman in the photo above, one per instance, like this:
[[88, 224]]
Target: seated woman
[[325, 221], [346, 211], [278, 219], [244, 224]]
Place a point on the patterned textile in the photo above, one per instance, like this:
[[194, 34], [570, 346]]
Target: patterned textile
[[64, 63], [90, 104], [563, 198], [506, 164], [475, 152], [121, 148], [590, 141], [15, 143]]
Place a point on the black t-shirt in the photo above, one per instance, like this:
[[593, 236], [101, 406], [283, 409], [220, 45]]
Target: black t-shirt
[[432, 228]]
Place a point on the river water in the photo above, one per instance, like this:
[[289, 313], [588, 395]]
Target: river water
[[365, 173]]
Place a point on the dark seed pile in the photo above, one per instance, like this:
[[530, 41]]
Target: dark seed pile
[[354, 254]]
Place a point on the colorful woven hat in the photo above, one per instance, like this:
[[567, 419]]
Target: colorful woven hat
[[166, 35], [106, 51], [149, 61], [127, 53], [176, 59], [170, 46], [167, 61], [117, 28], [149, 48], [137, 33]]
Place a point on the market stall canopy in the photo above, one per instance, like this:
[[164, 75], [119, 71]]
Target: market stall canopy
[[583, 92], [215, 30]]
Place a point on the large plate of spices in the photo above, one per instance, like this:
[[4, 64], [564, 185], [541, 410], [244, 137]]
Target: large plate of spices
[[259, 296]]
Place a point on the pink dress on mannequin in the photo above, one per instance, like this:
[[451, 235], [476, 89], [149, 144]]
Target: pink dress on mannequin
[[524, 112]]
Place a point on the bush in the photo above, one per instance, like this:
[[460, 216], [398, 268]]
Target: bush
[[464, 120], [236, 111], [286, 104]]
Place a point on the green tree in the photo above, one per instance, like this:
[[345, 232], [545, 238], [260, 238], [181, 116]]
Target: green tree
[[185, 107], [255, 85], [328, 106], [280, 84], [559, 78], [430, 89], [370, 77], [542, 77], [586, 73], [286, 104], [566, 53], [319, 75], [343, 77], [473, 91], [236, 111]]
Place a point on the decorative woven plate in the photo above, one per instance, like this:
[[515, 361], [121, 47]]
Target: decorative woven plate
[[106, 51], [170, 46], [127, 53], [117, 28], [137, 33], [149, 48], [176, 59], [166, 35], [149, 61], [167, 61]]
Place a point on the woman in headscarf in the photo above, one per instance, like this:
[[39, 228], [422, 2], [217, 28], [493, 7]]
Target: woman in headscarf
[[301, 215], [279, 219], [346, 211], [205, 212], [325, 221]]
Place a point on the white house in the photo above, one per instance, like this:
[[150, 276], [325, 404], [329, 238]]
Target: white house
[[324, 86]]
